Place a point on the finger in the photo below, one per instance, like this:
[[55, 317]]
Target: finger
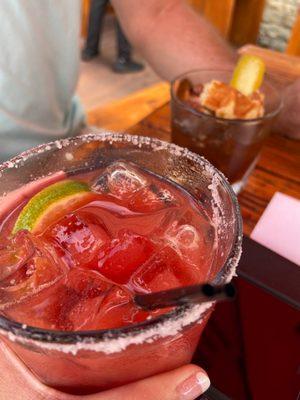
[[185, 383]]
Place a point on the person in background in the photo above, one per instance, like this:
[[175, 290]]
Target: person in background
[[124, 62], [39, 64]]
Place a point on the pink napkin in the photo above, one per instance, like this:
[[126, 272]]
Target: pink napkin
[[279, 227]]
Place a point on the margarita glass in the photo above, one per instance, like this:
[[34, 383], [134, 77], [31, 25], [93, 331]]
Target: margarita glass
[[82, 362]]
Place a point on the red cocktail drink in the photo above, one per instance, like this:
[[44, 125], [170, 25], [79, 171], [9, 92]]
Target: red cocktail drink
[[128, 215], [79, 266]]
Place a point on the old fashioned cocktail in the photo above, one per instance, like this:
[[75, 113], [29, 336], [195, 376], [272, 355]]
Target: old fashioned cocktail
[[217, 121]]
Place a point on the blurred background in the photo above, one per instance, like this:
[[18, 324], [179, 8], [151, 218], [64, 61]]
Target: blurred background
[[273, 24]]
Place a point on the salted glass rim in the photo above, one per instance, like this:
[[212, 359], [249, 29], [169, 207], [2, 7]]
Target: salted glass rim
[[183, 315], [182, 104]]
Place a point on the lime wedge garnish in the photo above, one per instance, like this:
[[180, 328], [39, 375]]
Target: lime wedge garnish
[[50, 204], [248, 74]]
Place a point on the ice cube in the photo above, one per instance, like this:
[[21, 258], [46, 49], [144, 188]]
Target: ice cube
[[133, 188], [34, 265], [187, 242], [164, 270], [120, 180], [81, 310], [118, 309], [152, 197], [72, 303], [13, 256], [115, 304], [80, 235], [118, 261], [184, 237]]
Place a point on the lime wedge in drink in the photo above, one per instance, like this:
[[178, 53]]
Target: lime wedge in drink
[[248, 74], [50, 204]]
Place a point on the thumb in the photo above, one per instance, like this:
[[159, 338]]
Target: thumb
[[184, 383]]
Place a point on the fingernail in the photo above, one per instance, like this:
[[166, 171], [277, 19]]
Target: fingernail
[[193, 386]]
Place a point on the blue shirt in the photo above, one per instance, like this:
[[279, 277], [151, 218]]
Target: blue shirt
[[39, 67]]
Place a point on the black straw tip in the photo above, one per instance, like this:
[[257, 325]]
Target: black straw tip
[[229, 290], [184, 295], [208, 290]]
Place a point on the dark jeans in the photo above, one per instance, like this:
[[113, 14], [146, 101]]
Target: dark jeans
[[97, 12]]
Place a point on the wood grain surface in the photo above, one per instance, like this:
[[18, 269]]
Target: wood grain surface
[[123, 113], [278, 168]]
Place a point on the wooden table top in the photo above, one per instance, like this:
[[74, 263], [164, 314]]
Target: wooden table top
[[278, 169]]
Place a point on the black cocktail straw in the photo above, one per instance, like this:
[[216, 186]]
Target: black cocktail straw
[[185, 295]]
